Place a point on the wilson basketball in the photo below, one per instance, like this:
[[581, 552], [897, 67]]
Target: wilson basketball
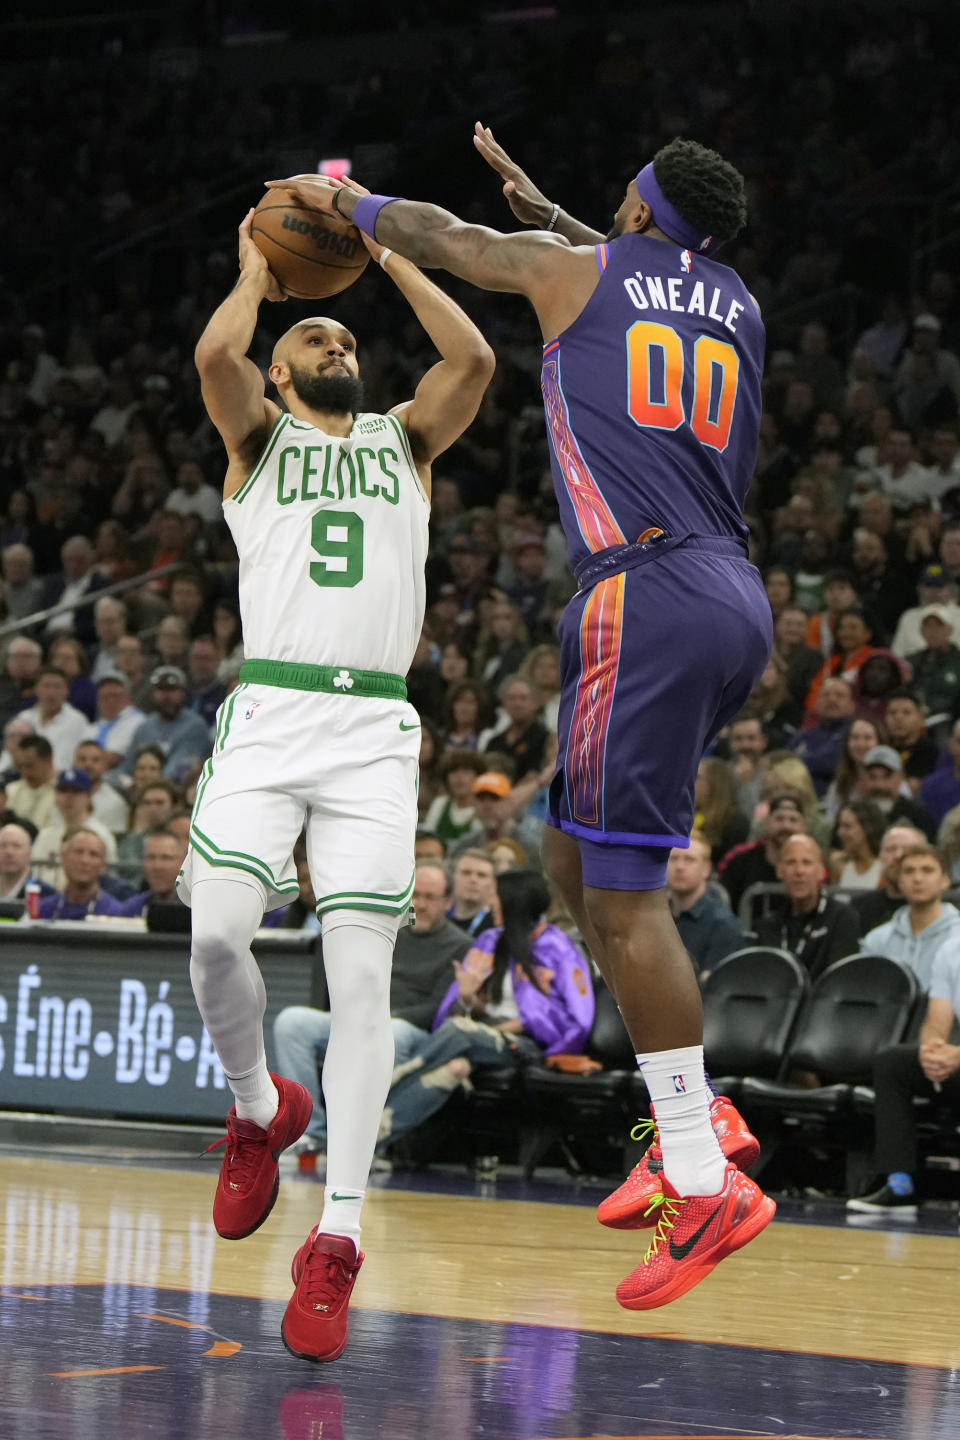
[[311, 255]]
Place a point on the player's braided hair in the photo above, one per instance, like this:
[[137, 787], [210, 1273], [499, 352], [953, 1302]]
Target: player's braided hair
[[706, 189]]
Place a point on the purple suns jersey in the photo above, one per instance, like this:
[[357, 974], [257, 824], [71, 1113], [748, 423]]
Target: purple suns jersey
[[652, 399]]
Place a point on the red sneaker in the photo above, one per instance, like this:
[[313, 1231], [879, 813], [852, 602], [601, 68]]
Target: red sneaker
[[249, 1176], [693, 1235], [627, 1208], [324, 1271]]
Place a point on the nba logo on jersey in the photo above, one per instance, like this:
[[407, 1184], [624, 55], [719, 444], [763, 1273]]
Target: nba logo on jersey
[[686, 261], [252, 710], [679, 1085]]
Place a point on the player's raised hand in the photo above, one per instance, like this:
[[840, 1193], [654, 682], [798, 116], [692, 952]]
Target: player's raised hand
[[315, 192], [253, 262], [375, 250], [527, 202]]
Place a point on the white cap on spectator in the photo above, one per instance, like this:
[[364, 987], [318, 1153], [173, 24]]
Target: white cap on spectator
[[926, 321], [936, 612], [884, 755]]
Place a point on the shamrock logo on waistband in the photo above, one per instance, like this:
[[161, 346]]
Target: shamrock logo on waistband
[[343, 681]]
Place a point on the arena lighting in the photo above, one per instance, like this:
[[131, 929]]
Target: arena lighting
[[336, 169]]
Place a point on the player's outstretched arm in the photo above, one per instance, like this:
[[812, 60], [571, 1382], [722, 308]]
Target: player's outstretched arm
[[529, 204], [521, 264], [232, 386], [448, 396]]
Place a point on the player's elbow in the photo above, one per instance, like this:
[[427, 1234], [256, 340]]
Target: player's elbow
[[479, 362], [212, 355]]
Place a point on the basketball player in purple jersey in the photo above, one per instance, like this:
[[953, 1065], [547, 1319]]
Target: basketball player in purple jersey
[[651, 383]]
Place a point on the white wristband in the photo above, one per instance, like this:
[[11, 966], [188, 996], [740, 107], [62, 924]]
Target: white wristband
[[551, 223], [381, 258]]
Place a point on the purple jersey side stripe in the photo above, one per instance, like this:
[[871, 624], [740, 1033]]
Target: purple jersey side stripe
[[593, 516], [602, 254]]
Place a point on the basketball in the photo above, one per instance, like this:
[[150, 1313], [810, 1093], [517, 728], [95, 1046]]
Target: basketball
[[311, 255]]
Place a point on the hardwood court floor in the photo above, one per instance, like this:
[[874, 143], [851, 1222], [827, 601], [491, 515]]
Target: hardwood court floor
[[121, 1312]]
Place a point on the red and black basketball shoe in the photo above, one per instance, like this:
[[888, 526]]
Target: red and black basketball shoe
[[627, 1208], [250, 1176], [694, 1233], [324, 1271]]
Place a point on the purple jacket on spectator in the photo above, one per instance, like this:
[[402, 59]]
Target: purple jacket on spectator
[[819, 749], [57, 907], [940, 791], [558, 1019]]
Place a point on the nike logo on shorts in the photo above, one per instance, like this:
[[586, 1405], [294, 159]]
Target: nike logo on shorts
[[680, 1252], [409, 727]]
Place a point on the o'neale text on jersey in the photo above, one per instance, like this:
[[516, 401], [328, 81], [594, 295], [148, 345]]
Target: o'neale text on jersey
[[321, 472], [683, 297]]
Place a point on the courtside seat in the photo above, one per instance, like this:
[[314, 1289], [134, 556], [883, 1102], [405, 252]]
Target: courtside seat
[[856, 1007], [571, 1109], [750, 1005]]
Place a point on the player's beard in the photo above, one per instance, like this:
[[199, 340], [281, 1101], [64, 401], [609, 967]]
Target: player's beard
[[333, 394], [615, 232]]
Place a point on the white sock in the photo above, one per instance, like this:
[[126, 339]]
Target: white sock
[[230, 992], [357, 956], [341, 1213], [255, 1095], [692, 1159]]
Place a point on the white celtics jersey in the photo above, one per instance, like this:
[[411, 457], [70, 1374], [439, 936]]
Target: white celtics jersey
[[332, 537]]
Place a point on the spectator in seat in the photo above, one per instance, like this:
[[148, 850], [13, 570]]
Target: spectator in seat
[[74, 811], [801, 661], [109, 806], [154, 806], [55, 718], [452, 814], [188, 598], [508, 855], [747, 744], [906, 722], [23, 593], [850, 778], [207, 690], [193, 494], [875, 907], [16, 865], [78, 577], [32, 796], [84, 861], [707, 927], [474, 892], [427, 846], [493, 803], [163, 855], [19, 678], [839, 594], [940, 791], [812, 925], [117, 719], [885, 782], [819, 746], [756, 862], [67, 655], [856, 865], [466, 714], [853, 645], [936, 670], [718, 816], [131, 664], [14, 731], [180, 733], [522, 992], [110, 624], [522, 735], [424, 957], [503, 643], [937, 586], [927, 923], [529, 589]]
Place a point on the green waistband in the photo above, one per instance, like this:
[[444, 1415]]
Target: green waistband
[[333, 679]]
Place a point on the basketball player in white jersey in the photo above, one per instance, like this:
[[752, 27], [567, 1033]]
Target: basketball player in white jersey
[[328, 506]]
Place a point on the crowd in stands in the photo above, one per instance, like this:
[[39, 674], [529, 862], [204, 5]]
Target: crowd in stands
[[845, 764]]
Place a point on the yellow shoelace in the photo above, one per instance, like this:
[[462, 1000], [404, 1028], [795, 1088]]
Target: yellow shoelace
[[670, 1209], [643, 1129]]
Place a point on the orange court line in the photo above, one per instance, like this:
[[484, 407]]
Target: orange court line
[[14, 1295], [578, 1329], [490, 1359], [118, 1370], [224, 1347], [170, 1320]]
